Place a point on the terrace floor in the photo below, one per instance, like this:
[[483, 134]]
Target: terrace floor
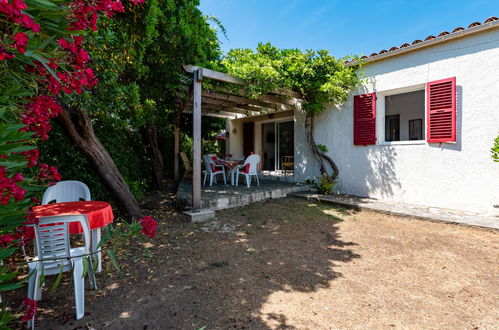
[[219, 196]]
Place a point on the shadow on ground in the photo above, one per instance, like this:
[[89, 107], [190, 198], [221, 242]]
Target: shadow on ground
[[217, 274]]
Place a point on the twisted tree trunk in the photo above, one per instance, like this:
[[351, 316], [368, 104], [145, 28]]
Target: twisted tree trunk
[[78, 126], [150, 137], [321, 157]]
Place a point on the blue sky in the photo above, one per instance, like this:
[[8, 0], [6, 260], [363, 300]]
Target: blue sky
[[341, 26]]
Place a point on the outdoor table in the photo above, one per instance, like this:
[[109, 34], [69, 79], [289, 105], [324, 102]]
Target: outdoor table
[[232, 165], [99, 215]]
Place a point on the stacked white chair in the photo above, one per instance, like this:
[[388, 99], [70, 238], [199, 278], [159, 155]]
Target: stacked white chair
[[66, 191], [54, 255], [212, 169], [73, 191], [248, 169]]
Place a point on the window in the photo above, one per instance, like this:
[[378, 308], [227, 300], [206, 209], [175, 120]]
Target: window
[[403, 114], [402, 111]]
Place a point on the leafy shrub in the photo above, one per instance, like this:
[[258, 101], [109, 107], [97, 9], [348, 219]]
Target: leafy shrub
[[325, 186], [495, 150], [322, 148]]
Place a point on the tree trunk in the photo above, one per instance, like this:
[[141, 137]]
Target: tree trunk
[[150, 136], [321, 157], [79, 127]]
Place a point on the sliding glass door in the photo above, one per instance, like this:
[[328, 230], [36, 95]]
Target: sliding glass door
[[285, 141], [277, 141]]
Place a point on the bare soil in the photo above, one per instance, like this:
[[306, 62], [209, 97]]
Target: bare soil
[[292, 264]]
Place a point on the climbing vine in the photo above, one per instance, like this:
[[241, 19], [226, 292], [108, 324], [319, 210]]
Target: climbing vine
[[318, 77]]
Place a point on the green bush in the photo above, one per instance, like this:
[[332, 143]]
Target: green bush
[[325, 186]]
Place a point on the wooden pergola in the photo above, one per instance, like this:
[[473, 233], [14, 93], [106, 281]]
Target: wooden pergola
[[228, 103]]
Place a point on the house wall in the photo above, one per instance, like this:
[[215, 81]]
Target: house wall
[[234, 145], [460, 175]]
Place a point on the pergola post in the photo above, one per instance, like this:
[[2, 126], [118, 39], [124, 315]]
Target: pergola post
[[196, 137]]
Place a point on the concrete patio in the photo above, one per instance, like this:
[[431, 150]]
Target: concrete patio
[[219, 196]]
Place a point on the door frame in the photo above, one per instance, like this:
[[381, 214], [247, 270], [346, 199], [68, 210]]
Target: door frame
[[276, 144]]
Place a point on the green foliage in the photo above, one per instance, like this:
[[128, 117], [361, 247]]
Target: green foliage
[[322, 148], [325, 185], [138, 57], [123, 145], [495, 150], [319, 77]]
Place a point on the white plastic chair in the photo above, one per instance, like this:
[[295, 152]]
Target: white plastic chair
[[55, 255], [66, 191], [212, 169], [73, 191], [248, 169]]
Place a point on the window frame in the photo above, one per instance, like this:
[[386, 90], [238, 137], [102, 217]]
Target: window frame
[[381, 111]]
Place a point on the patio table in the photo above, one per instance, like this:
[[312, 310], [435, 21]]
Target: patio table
[[232, 165], [99, 214]]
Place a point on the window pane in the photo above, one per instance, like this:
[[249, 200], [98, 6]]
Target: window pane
[[392, 128], [404, 116]]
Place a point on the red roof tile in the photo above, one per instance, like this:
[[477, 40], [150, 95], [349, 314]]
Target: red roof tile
[[430, 37]]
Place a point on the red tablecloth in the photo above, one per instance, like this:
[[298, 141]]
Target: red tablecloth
[[99, 214], [229, 163]]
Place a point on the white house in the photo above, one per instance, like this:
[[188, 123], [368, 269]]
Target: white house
[[419, 131]]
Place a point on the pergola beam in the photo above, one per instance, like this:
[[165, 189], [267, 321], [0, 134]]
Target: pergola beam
[[265, 97], [240, 100], [215, 75], [228, 78], [219, 108], [233, 105]]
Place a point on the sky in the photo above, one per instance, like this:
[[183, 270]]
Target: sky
[[343, 27]]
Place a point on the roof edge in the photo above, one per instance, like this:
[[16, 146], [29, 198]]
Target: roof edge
[[427, 43]]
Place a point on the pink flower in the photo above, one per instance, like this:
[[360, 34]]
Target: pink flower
[[32, 156], [149, 226], [4, 54], [19, 4], [37, 117], [31, 307], [6, 239], [9, 187]]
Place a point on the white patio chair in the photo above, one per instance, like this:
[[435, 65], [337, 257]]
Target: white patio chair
[[212, 169], [55, 256], [73, 191], [248, 169], [66, 191]]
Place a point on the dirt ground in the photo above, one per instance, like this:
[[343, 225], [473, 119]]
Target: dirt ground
[[291, 264]]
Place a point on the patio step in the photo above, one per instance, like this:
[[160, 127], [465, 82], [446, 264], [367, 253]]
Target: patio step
[[277, 178], [219, 196]]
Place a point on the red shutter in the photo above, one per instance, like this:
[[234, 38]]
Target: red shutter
[[364, 119], [441, 110]]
